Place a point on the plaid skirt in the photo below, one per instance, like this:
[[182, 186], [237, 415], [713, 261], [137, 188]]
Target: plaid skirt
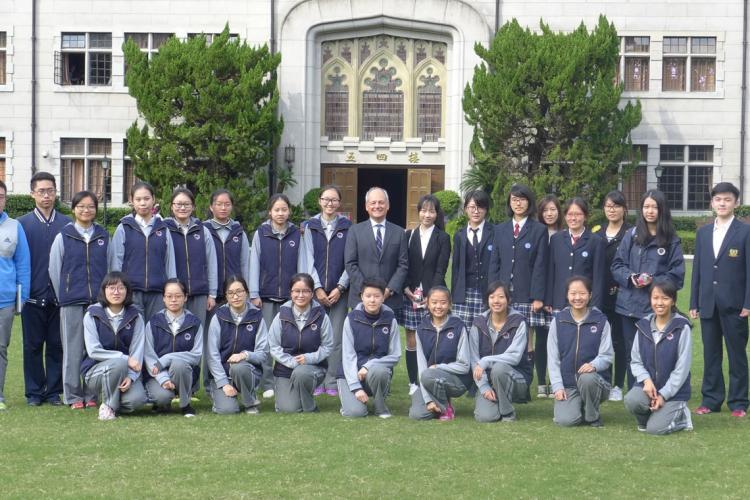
[[410, 317], [534, 318], [470, 308]]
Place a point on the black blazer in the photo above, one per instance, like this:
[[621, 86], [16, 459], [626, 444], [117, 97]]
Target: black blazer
[[585, 259], [430, 270], [521, 262], [458, 267], [611, 287]]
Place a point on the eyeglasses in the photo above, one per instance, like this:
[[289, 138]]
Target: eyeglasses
[[86, 208], [611, 207], [176, 296], [222, 205], [474, 208], [47, 192], [236, 293], [182, 205], [116, 288], [329, 201], [305, 291]]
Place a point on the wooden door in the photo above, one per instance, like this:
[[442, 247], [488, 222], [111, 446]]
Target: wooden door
[[419, 183], [346, 180]]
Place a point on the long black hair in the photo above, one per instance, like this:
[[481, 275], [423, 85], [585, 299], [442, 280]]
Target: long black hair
[[431, 199], [665, 231]]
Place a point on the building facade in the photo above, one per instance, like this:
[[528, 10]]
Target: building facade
[[370, 90]]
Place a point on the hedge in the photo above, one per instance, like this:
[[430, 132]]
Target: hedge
[[688, 241]]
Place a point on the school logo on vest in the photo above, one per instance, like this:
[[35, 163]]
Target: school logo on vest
[[340, 235], [661, 251], [584, 254], [100, 242], [385, 330], [249, 328], [670, 336], [489, 248], [235, 238], [594, 329], [313, 327], [197, 236], [527, 246], [158, 232], [449, 335], [292, 243], [128, 326], [733, 252], [506, 335], [188, 336]]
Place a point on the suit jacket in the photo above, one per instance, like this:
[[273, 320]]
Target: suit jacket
[[458, 268], [587, 258], [610, 292], [430, 269], [721, 283], [521, 262], [362, 261]]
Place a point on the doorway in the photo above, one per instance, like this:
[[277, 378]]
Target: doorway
[[393, 181]]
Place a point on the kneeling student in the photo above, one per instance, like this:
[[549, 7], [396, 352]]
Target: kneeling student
[[113, 334], [659, 398], [370, 348], [579, 350], [300, 339], [442, 359], [237, 348], [174, 344], [501, 369]]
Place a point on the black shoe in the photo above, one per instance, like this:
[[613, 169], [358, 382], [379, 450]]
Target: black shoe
[[34, 402], [188, 411], [54, 402], [161, 409], [596, 423]]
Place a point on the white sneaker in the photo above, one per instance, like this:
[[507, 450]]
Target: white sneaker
[[615, 394], [268, 394], [106, 413], [385, 415], [542, 391], [253, 410], [412, 389]]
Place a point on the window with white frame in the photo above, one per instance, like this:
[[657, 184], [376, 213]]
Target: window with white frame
[[2, 159], [84, 59], [635, 185], [149, 43], [82, 167], [689, 64], [686, 176], [3, 57], [210, 36], [634, 62]]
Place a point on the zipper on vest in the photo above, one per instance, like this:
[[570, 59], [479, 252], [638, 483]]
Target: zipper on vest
[[174, 340], [575, 359], [146, 274], [656, 366], [67, 283], [279, 278], [88, 270], [328, 247], [224, 258], [236, 335], [437, 341], [187, 256]]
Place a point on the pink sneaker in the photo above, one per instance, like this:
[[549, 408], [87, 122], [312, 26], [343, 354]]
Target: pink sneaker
[[739, 413], [448, 414], [319, 390], [332, 392]]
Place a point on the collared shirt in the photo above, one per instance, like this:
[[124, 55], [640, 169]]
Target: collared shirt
[[375, 229], [575, 238], [279, 234], [85, 232], [145, 226], [720, 232], [300, 317], [222, 228], [114, 318], [174, 322], [329, 226], [237, 317], [470, 232], [184, 227], [424, 237], [520, 223]]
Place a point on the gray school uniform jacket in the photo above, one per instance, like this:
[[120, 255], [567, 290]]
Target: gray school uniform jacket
[[192, 357], [98, 353], [511, 356], [311, 358], [459, 367]]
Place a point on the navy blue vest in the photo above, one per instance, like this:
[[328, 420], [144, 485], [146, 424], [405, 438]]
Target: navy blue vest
[[84, 265], [504, 340], [472, 264], [145, 257], [579, 344], [278, 261], [228, 254], [372, 337], [234, 338], [40, 236], [328, 255], [190, 256], [442, 348], [109, 339], [165, 342], [660, 359], [296, 342]]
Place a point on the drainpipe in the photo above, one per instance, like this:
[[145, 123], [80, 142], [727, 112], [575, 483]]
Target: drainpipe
[[744, 100], [271, 169], [33, 87], [497, 15]]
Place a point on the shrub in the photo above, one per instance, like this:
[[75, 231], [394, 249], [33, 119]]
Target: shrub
[[310, 201], [18, 204], [688, 241], [450, 201]]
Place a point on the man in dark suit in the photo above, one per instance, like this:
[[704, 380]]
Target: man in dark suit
[[720, 296], [377, 248]]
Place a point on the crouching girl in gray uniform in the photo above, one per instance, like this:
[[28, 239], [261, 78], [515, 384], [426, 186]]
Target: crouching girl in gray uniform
[[663, 339], [237, 347], [579, 350], [501, 369], [442, 359], [174, 344], [300, 339], [113, 334], [370, 348]]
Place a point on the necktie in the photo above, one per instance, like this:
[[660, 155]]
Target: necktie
[[475, 239], [516, 230], [379, 239], [575, 239]]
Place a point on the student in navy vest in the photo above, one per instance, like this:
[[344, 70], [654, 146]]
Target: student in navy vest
[[174, 345], [370, 349], [237, 349], [650, 250], [443, 357], [549, 211], [42, 347], [472, 255], [142, 249], [500, 367], [613, 231], [660, 361], [113, 332], [720, 296], [300, 340], [77, 265], [276, 255], [579, 350], [429, 253], [324, 244]]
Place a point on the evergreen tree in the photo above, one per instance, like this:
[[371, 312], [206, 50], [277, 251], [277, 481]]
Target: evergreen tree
[[209, 119], [546, 111]]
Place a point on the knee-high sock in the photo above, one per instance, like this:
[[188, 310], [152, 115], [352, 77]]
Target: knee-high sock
[[411, 366]]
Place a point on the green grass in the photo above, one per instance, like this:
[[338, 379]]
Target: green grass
[[55, 452]]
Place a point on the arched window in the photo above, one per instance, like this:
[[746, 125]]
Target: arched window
[[383, 104], [429, 107], [336, 106]]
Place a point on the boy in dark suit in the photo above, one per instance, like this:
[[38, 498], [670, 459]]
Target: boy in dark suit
[[720, 296]]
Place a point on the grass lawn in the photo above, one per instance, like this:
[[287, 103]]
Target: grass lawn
[[55, 452]]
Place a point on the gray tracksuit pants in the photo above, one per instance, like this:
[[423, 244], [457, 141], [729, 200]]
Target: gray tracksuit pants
[[510, 387], [181, 375], [672, 417], [583, 401], [71, 335], [377, 384], [441, 386], [245, 380], [106, 377], [295, 394]]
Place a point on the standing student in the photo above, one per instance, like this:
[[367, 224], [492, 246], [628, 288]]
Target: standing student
[[142, 249], [650, 250], [174, 345], [500, 367], [113, 332], [42, 348], [472, 254], [15, 273], [720, 296], [549, 214], [579, 349], [660, 362], [324, 243], [77, 266], [237, 348], [429, 250], [275, 256], [370, 348], [443, 357], [300, 340], [613, 231]]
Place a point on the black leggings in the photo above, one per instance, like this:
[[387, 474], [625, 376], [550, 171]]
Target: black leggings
[[620, 363], [540, 354]]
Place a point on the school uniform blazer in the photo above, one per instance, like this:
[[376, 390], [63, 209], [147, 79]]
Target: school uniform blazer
[[723, 282], [430, 269], [586, 258], [611, 286], [458, 268], [521, 262], [361, 260]]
